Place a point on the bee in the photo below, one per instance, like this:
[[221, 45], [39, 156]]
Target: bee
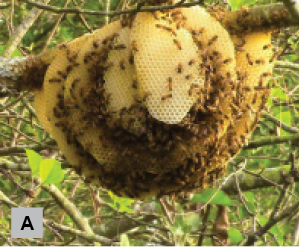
[[75, 81], [249, 59], [81, 92], [163, 27], [170, 83], [243, 42], [191, 62], [178, 44], [122, 64], [85, 60], [260, 61], [192, 31], [180, 68], [201, 30], [122, 111], [260, 88], [135, 83], [119, 47], [271, 60], [62, 74], [191, 89], [60, 123], [212, 40], [165, 97], [63, 46], [266, 74], [241, 49], [134, 46], [60, 96], [72, 58], [157, 15], [105, 41], [265, 47], [95, 44], [258, 115], [69, 68], [221, 94], [56, 113], [261, 82], [75, 64], [108, 66], [215, 53], [228, 60], [146, 95], [54, 80], [250, 108], [199, 44], [173, 32], [131, 59], [179, 24], [176, 12], [212, 108], [72, 93], [254, 98], [188, 77], [138, 99]]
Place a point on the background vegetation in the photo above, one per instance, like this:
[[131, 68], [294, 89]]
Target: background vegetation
[[257, 202]]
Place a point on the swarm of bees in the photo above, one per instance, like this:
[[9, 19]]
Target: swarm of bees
[[157, 103]]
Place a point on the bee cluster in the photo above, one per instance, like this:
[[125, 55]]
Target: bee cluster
[[155, 103]]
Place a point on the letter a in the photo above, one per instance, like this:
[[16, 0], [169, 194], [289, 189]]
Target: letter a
[[29, 224]]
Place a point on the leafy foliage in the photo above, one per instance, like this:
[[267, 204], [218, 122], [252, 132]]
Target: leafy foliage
[[143, 222], [49, 170]]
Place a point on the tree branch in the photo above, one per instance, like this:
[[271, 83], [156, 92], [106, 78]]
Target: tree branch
[[109, 13], [271, 141], [279, 123], [4, 5], [289, 211], [266, 17], [248, 181], [21, 149], [69, 208], [86, 235], [21, 30], [82, 234], [286, 65], [118, 226]]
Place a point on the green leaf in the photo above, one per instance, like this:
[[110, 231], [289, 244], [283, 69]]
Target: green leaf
[[16, 52], [50, 171], [193, 221], [220, 198], [34, 161], [237, 4], [274, 229], [250, 201], [270, 102], [122, 204], [124, 240], [291, 57], [284, 117], [279, 93], [235, 236]]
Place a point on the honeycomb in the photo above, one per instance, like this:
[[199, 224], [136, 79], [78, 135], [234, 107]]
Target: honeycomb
[[155, 103]]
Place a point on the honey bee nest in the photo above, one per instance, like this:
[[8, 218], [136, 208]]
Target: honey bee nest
[[157, 103]]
